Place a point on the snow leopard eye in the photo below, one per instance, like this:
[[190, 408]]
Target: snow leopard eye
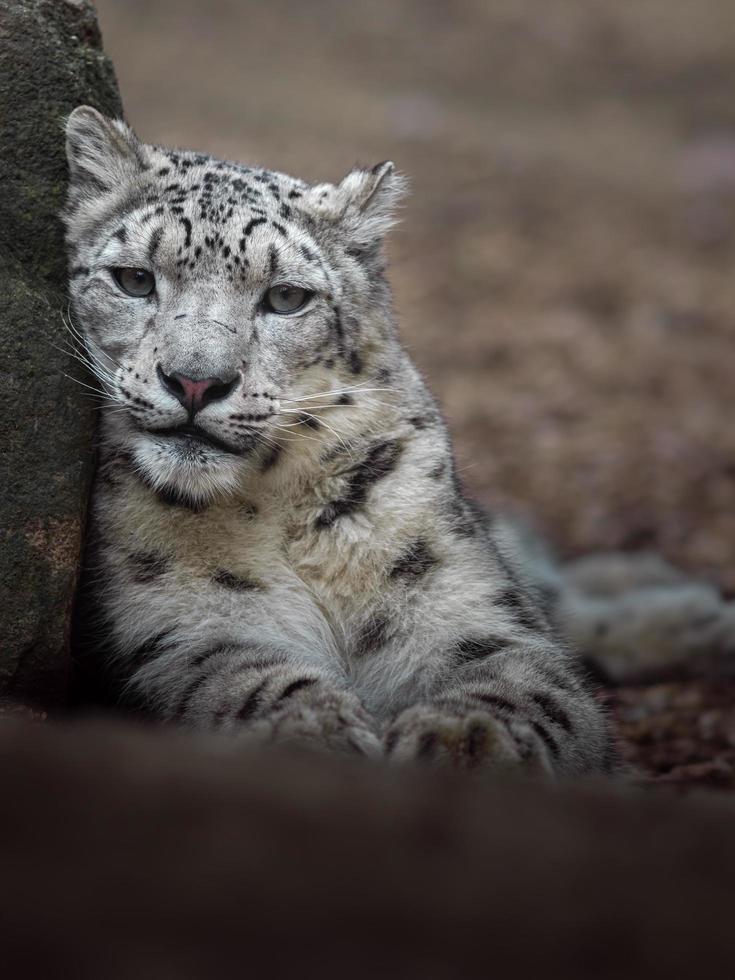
[[134, 282], [286, 299]]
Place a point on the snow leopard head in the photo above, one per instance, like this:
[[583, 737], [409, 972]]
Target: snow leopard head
[[214, 299]]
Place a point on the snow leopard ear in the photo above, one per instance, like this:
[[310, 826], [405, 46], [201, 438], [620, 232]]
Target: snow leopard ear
[[364, 203], [102, 153]]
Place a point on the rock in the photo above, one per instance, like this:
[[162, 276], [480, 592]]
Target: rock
[[51, 60]]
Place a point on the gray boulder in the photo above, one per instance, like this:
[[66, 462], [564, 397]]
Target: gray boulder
[[51, 60]]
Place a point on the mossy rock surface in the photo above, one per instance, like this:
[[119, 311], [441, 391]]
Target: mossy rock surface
[[51, 60]]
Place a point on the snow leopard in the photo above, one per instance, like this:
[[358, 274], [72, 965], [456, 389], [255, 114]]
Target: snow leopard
[[280, 545]]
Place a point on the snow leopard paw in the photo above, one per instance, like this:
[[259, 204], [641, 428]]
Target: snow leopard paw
[[321, 718], [465, 738]]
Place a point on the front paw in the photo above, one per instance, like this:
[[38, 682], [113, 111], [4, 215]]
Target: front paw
[[464, 738], [323, 719]]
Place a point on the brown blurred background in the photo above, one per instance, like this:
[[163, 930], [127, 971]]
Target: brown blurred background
[[564, 270]]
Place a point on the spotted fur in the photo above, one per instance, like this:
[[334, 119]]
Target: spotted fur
[[298, 560]]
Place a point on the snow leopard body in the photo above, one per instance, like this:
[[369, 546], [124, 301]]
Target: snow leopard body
[[280, 546]]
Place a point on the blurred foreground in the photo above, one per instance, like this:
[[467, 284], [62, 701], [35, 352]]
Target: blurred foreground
[[131, 853]]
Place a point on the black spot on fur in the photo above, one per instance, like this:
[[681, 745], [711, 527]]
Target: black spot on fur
[[172, 498], [565, 679], [553, 711], [113, 468], [546, 738], [147, 566], [310, 421], [271, 459], [344, 399], [374, 634], [415, 561], [187, 229], [497, 702], [272, 260], [478, 648], [198, 680], [155, 241], [338, 328], [79, 270], [295, 686], [121, 234], [234, 582], [463, 517], [253, 223], [252, 702], [147, 651], [519, 605], [360, 254], [380, 460], [421, 422]]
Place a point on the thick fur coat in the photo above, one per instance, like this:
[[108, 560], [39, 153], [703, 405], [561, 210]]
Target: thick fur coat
[[280, 543]]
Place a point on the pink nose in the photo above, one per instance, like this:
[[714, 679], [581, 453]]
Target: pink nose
[[195, 393]]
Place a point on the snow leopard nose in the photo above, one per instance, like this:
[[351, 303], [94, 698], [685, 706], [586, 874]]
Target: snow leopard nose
[[196, 393]]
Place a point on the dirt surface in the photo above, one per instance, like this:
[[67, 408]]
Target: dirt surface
[[563, 273], [679, 734]]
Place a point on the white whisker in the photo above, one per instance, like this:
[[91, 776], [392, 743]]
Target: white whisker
[[355, 389]]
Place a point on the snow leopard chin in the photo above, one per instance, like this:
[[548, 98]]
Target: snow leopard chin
[[188, 469]]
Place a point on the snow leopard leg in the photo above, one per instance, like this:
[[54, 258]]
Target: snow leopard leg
[[258, 691], [524, 707]]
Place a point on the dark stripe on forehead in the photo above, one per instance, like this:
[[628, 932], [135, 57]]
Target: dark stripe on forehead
[[187, 228], [154, 242], [272, 260]]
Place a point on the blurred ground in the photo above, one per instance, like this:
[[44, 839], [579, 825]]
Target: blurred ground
[[678, 731], [564, 270]]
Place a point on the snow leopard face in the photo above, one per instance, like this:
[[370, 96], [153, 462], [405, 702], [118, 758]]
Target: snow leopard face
[[214, 299]]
